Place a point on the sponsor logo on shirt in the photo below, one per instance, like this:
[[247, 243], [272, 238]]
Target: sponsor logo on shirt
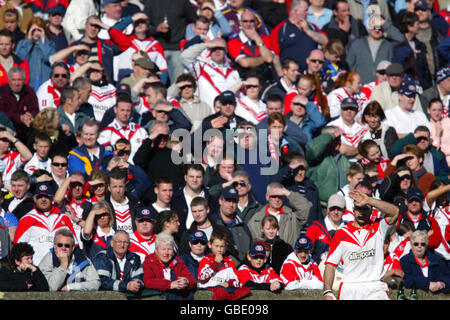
[[362, 255]]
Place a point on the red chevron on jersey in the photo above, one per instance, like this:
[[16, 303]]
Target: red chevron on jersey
[[122, 217]]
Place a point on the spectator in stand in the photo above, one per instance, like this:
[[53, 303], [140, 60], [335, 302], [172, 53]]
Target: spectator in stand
[[112, 12], [381, 76], [440, 90], [55, 29], [97, 231], [164, 271], [24, 9], [168, 25], [343, 26], [315, 66], [18, 273], [334, 53], [364, 12], [255, 274], [371, 154], [233, 12], [11, 23], [21, 201], [98, 181], [143, 238], [251, 50], [40, 159], [9, 59], [18, 101], [249, 105], [71, 119], [49, 93], [286, 82], [299, 271], [119, 268], [439, 127], [437, 277], [318, 14], [37, 48], [374, 118], [364, 58], [403, 117], [295, 37], [198, 248], [76, 16], [386, 93], [67, 268], [141, 67]]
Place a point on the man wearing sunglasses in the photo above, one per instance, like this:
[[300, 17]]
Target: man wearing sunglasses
[[38, 227], [49, 93], [66, 267], [359, 246], [198, 248], [381, 76]]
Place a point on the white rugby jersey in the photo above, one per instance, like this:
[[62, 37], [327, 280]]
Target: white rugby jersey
[[336, 96], [251, 111], [296, 275], [12, 161], [102, 98], [123, 216], [34, 164], [360, 250], [442, 216], [352, 135], [48, 95], [141, 246]]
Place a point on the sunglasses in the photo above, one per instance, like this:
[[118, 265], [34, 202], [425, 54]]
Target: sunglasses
[[123, 152], [422, 244], [349, 109], [382, 72], [406, 177], [76, 184], [337, 208], [301, 168], [363, 210], [59, 164], [4, 139], [199, 241], [317, 61], [248, 21], [298, 104], [251, 86], [65, 245], [162, 111], [276, 197], [61, 75], [188, 86], [100, 185], [40, 196], [242, 184], [419, 139]]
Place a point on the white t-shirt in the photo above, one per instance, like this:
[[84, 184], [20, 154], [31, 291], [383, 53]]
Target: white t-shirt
[[405, 123]]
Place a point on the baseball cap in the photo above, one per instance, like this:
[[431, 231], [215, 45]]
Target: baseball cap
[[349, 102], [58, 9], [336, 200], [44, 188], [145, 213], [257, 249], [421, 5], [227, 97], [123, 88], [383, 65], [395, 69], [145, 63], [198, 235], [303, 242], [230, 193], [442, 74], [105, 2], [408, 87], [414, 193]]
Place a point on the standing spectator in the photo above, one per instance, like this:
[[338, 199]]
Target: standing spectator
[[439, 90], [37, 48], [18, 273], [112, 12], [318, 14], [295, 37], [38, 227], [292, 218], [381, 76], [49, 93], [9, 59], [164, 271], [66, 267], [168, 25], [57, 32], [119, 269], [366, 52], [249, 105], [437, 277], [11, 23]]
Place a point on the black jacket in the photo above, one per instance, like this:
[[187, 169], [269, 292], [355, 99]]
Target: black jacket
[[22, 208], [14, 280]]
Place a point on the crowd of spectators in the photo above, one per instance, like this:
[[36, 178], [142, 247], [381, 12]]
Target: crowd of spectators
[[218, 144]]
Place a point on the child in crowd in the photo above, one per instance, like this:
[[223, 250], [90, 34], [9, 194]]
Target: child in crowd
[[255, 274], [40, 159], [218, 272], [299, 271]]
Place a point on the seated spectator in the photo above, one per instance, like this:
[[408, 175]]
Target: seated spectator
[[197, 250], [374, 118], [371, 154], [278, 248], [167, 221], [255, 274], [119, 268], [299, 271], [40, 158], [66, 267], [286, 82], [403, 117], [18, 273], [97, 231], [142, 241], [437, 278], [71, 119], [249, 105], [292, 217], [21, 201], [217, 272], [37, 48], [166, 272], [49, 93]]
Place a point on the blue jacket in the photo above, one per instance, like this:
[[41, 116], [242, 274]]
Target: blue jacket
[[191, 264], [79, 160], [437, 271], [109, 271]]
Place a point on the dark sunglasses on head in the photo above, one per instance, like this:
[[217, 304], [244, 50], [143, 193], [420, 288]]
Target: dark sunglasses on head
[[65, 245], [61, 75], [59, 164], [416, 244], [199, 241]]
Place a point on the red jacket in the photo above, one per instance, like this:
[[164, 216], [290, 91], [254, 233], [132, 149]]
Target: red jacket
[[24, 64], [154, 274]]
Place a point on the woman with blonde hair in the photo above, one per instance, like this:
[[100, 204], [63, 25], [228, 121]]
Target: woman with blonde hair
[[37, 48], [47, 121]]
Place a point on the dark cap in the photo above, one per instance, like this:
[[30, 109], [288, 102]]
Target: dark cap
[[198, 235], [227, 97], [123, 88], [421, 5], [58, 9], [145, 213], [145, 63], [44, 188], [257, 249], [349, 102], [303, 242], [414, 193], [105, 2], [408, 87], [395, 69], [443, 74], [230, 193]]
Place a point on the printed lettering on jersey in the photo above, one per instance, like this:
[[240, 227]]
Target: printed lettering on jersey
[[362, 255]]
